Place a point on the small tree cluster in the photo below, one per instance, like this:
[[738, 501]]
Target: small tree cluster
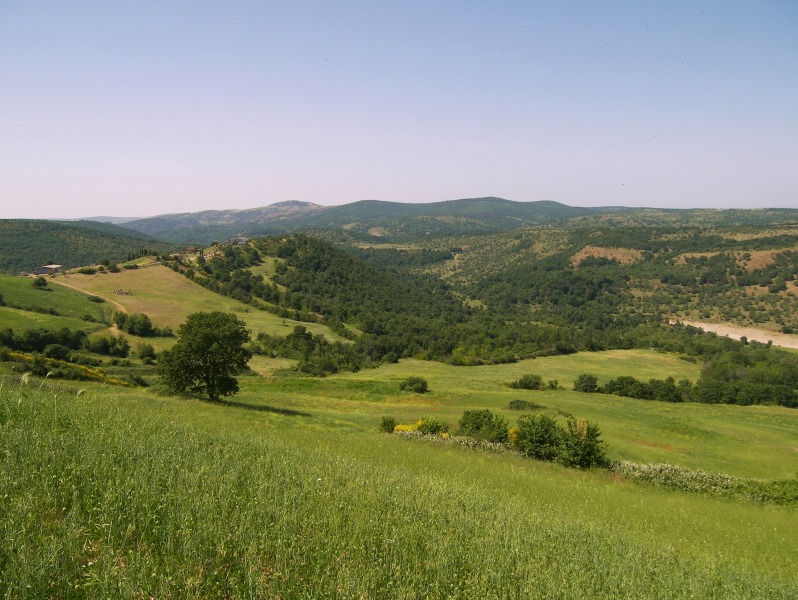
[[528, 382], [138, 324]]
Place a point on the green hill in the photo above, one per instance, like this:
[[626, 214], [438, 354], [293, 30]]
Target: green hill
[[373, 219], [376, 220], [26, 244], [112, 488]]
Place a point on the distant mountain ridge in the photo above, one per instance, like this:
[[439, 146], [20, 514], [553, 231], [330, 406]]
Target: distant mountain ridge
[[367, 218], [378, 220]]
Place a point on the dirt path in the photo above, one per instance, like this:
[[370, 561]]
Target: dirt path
[[733, 331], [68, 284]]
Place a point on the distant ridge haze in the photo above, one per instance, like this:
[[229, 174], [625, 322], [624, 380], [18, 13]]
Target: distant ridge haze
[[398, 221], [395, 219]]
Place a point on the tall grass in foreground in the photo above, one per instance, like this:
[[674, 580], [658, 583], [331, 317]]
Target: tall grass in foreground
[[118, 496]]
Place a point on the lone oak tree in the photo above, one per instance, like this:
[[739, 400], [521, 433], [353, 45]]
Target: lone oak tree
[[208, 353]]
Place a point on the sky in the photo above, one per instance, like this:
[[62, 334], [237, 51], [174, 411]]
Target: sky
[[143, 108]]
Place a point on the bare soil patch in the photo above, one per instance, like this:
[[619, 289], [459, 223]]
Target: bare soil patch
[[625, 256], [751, 333]]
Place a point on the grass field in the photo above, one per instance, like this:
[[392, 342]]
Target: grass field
[[756, 441], [288, 490], [168, 298], [126, 494]]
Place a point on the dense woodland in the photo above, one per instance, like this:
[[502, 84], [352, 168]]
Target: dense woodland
[[26, 244]]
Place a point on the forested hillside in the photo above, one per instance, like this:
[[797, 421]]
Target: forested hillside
[[743, 275], [559, 304], [26, 244]]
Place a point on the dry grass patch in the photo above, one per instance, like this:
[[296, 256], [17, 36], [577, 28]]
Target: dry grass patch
[[624, 256]]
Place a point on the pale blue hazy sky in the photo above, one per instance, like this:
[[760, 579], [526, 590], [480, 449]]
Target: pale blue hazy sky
[[143, 108]]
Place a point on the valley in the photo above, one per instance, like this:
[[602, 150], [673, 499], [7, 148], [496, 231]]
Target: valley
[[115, 484]]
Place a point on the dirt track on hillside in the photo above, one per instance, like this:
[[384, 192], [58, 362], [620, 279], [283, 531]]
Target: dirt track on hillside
[[758, 335]]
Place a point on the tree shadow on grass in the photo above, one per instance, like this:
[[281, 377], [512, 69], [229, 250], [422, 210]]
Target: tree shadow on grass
[[262, 408]]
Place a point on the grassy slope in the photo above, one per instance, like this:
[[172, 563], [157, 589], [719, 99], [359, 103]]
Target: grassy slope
[[755, 441], [168, 298], [70, 304], [125, 494]]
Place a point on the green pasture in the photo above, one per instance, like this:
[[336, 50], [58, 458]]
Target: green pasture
[[19, 291], [168, 298], [755, 441], [22, 320], [123, 493]]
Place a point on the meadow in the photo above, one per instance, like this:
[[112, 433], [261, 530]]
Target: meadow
[[126, 493], [289, 490], [168, 298]]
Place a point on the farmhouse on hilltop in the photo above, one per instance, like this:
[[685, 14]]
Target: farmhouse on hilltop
[[47, 270]]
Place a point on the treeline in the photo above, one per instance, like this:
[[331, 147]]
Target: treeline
[[733, 373], [139, 324], [56, 343]]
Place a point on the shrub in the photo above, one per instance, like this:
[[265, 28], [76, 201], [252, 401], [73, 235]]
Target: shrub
[[431, 426], [539, 436], [96, 299], [586, 383], [524, 405], [39, 283], [57, 351], [417, 385], [483, 425], [87, 271], [388, 424], [528, 382], [581, 445], [145, 350]]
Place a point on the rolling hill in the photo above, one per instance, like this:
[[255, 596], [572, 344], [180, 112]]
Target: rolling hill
[[380, 221], [26, 243], [367, 219]]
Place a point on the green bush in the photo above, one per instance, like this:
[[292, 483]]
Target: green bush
[[388, 424], [586, 383], [581, 445], [417, 385], [483, 425], [539, 436], [431, 426], [524, 405], [57, 351], [528, 382]]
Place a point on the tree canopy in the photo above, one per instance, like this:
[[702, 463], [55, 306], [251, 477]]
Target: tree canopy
[[209, 352]]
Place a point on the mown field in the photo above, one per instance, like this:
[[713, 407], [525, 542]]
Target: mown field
[[113, 492]]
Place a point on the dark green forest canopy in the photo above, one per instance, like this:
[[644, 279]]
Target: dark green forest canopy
[[26, 244]]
